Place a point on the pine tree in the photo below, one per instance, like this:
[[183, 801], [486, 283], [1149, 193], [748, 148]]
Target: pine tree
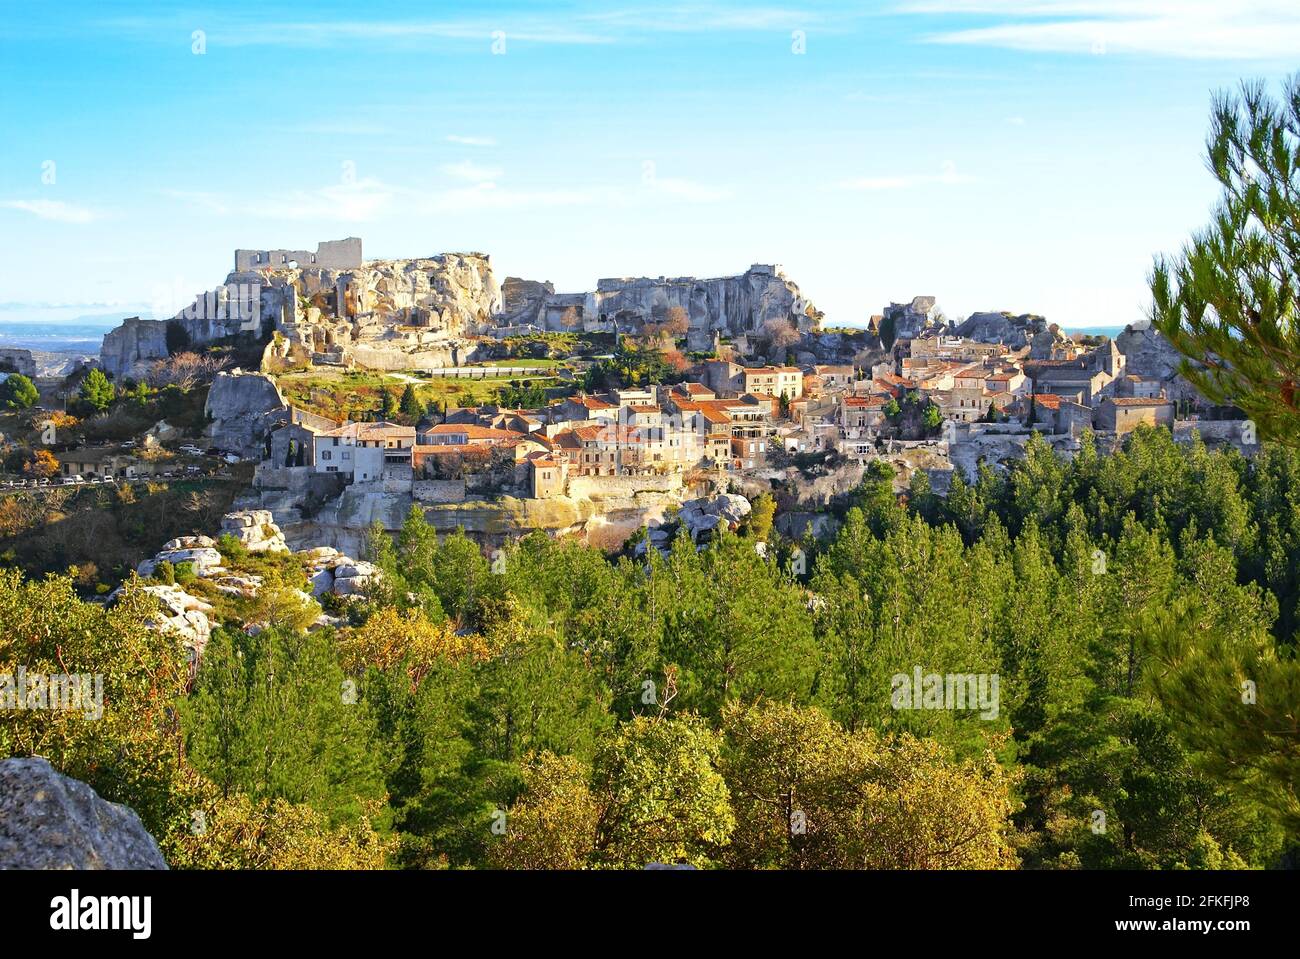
[[96, 390], [1228, 300], [410, 405]]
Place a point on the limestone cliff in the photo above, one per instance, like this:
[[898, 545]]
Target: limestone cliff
[[131, 346], [730, 305], [384, 314]]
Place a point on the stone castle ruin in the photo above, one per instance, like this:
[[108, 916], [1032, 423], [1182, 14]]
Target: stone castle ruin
[[330, 255]]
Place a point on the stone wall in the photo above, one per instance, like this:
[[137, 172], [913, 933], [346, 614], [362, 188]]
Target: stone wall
[[598, 487], [330, 254], [439, 491]]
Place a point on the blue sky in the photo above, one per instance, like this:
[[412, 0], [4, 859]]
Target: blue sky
[[1028, 155]]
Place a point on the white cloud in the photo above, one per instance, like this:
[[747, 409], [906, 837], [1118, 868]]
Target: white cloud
[[201, 199], [490, 196], [1016, 121], [469, 170], [354, 202], [948, 175], [687, 189], [1192, 29], [468, 141], [561, 27], [54, 210]]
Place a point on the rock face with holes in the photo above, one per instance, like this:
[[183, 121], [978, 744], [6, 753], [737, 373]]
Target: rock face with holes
[[50, 821]]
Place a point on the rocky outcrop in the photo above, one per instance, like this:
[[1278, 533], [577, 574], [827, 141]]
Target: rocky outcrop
[[729, 305], [330, 571], [421, 313], [389, 314], [1050, 344], [50, 821], [699, 518], [243, 408], [14, 360], [522, 300], [1148, 353], [908, 321], [129, 348], [1014, 331], [198, 551], [384, 314], [255, 529], [186, 616]]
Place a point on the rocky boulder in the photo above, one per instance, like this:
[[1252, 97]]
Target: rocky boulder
[[177, 612], [205, 560], [330, 571], [50, 821], [255, 529]]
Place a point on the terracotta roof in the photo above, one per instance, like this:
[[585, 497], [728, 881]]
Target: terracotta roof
[[472, 431], [1049, 400]]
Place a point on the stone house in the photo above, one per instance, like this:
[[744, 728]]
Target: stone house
[[364, 449], [549, 475], [583, 407], [784, 381], [1123, 414], [107, 462], [862, 416]]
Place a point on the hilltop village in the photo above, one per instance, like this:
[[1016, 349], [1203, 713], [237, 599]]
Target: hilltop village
[[347, 390]]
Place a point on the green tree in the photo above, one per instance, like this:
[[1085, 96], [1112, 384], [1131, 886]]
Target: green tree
[[274, 716], [662, 798], [410, 405], [96, 391], [1228, 300], [17, 392]]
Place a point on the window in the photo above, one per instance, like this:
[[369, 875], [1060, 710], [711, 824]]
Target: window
[[347, 455], [331, 469], [325, 454]]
